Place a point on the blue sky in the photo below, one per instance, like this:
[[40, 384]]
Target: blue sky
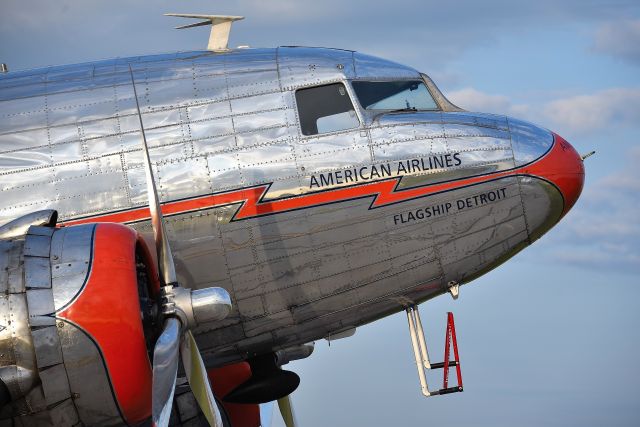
[[550, 338]]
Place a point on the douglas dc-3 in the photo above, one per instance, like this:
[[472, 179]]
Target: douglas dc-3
[[227, 208]]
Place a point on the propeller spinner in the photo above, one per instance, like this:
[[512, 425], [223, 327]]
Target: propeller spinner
[[181, 310]]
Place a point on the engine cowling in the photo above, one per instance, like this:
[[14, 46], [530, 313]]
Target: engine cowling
[[72, 341]]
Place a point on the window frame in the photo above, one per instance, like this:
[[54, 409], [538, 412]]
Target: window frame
[[392, 79], [350, 93]]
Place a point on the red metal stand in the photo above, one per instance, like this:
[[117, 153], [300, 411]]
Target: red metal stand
[[450, 338], [419, 344]]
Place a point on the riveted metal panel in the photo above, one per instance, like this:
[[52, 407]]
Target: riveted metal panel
[[14, 267], [6, 248], [55, 384], [259, 120], [47, 347], [64, 414], [264, 136], [23, 159], [172, 116], [65, 270], [390, 133], [254, 82], [42, 230], [94, 399], [98, 129], [23, 140], [6, 355], [251, 307], [183, 178], [208, 129], [40, 303], [260, 328], [478, 143], [106, 189], [452, 130], [36, 402], [224, 170], [367, 66], [542, 203], [71, 252], [305, 66], [21, 342], [22, 113], [208, 110], [37, 272], [478, 119], [72, 244], [256, 103]]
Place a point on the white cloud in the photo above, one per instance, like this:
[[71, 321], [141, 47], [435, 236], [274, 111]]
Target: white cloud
[[583, 113], [620, 39], [474, 100], [575, 114]]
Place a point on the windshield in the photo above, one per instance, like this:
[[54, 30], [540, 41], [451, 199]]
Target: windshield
[[394, 95]]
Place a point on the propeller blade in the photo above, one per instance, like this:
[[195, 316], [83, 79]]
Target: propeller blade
[[165, 370], [166, 267], [286, 409], [198, 380]]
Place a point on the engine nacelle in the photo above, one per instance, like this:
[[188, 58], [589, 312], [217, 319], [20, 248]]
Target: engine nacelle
[[72, 343]]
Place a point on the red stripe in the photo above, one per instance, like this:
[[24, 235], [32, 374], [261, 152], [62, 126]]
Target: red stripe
[[384, 192]]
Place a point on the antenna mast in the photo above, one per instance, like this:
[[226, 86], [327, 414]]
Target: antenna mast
[[220, 28]]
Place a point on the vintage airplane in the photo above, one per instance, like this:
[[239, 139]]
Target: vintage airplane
[[293, 194]]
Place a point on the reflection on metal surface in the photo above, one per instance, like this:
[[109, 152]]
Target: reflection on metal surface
[[19, 226], [529, 141], [165, 369]]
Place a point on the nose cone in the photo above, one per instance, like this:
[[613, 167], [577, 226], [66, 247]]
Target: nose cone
[[561, 167], [566, 171], [540, 153]]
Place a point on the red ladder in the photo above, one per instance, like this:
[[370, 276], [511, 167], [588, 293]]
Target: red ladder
[[422, 357]]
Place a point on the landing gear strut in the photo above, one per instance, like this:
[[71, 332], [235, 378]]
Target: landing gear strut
[[422, 356]]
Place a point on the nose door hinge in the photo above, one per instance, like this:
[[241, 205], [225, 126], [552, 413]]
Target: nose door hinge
[[423, 364]]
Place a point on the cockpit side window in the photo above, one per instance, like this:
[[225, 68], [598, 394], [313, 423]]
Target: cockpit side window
[[394, 95], [325, 109]]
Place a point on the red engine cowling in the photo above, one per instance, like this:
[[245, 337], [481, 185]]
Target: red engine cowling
[[88, 361], [107, 311]]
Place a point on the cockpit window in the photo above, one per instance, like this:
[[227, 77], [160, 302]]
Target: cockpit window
[[325, 109], [394, 95]]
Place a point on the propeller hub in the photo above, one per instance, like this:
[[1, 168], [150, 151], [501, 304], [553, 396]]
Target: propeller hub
[[210, 304], [195, 307]]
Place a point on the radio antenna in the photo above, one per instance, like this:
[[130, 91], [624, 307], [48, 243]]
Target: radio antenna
[[220, 28]]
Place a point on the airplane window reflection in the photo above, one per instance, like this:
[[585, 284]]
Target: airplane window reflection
[[325, 109], [394, 95]]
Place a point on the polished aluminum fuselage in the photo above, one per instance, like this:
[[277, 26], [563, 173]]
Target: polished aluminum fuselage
[[225, 141]]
